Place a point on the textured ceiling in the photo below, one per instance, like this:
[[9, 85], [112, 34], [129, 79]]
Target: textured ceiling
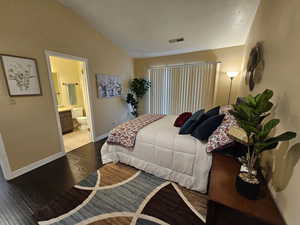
[[143, 27]]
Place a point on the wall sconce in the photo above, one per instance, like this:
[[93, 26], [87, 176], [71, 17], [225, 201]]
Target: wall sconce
[[231, 75]]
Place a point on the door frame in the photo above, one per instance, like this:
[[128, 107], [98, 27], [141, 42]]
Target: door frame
[[87, 88]]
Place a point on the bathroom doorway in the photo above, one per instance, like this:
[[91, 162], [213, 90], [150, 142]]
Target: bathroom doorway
[[71, 94]]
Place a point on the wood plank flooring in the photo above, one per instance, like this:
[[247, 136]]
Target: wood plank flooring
[[166, 204], [20, 197]]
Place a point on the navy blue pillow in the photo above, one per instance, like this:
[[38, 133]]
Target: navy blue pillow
[[213, 112], [192, 122], [207, 127]]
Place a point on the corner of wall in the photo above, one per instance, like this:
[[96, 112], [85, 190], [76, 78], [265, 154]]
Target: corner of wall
[[4, 161]]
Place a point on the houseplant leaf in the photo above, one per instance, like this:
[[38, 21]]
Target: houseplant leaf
[[264, 97], [239, 113], [250, 100], [269, 143], [263, 107], [246, 110], [261, 118], [248, 127], [262, 102], [139, 87], [266, 129], [282, 137]]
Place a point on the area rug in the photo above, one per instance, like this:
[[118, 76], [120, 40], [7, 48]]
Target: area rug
[[121, 195]]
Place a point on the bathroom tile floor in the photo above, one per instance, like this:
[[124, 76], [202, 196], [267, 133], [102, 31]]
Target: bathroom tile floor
[[76, 139]]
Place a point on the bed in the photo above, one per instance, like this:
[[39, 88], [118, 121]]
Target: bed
[[161, 151]]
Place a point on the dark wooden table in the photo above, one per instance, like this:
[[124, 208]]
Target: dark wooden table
[[227, 207]]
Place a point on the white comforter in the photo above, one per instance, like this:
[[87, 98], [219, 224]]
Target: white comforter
[[159, 150]]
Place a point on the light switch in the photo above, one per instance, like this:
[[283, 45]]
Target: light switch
[[12, 101]]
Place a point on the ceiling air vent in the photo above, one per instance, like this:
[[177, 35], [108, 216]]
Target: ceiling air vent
[[176, 40]]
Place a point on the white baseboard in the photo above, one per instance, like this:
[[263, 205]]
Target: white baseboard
[[9, 174], [101, 137], [35, 165]]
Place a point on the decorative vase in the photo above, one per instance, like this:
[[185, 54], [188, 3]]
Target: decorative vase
[[247, 187], [130, 108]]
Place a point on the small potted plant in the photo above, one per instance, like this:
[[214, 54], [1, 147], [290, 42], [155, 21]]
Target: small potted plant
[[138, 88], [132, 103], [251, 115]]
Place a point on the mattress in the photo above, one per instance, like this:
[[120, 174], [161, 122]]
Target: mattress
[[161, 151]]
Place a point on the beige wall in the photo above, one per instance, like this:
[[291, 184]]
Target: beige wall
[[277, 25], [231, 59], [28, 27], [68, 71]]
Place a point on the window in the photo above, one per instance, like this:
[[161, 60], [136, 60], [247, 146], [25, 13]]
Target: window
[[181, 88]]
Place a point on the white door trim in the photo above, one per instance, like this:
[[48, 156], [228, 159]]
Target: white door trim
[[86, 88], [4, 161]]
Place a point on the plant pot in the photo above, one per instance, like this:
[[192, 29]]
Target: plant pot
[[248, 189], [130, 108]]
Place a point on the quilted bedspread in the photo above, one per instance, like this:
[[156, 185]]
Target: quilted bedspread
[[161, 151], [125, 134]]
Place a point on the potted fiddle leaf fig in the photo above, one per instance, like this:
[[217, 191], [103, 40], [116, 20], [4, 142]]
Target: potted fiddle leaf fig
[[251, 115], [138, 88]]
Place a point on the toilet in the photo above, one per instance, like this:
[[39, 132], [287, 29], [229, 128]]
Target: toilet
[[77, 114]]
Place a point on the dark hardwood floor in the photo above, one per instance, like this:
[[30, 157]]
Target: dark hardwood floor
[[20, 197]]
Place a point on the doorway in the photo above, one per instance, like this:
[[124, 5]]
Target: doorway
[[71, 94]]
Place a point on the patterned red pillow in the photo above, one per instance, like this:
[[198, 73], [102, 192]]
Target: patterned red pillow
[[219, 137], [182, 118]]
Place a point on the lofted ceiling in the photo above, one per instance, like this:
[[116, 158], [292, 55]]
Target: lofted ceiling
[[144, 27]]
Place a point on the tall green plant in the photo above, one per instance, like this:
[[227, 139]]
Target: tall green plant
[[138, 88], [251, 115]]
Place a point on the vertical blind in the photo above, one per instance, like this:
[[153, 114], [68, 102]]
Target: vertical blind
[[181, 88]]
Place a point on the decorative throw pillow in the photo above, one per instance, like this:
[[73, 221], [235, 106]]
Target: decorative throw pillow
[[191, 123], [219, 137], [213, 112], [182, 118], [207, 127], [201, 119]]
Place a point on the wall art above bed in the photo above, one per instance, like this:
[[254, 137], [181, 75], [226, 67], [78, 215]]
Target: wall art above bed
[[108, 85]]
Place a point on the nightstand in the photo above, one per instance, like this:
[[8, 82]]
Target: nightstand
[[66, 121], [227, 207]]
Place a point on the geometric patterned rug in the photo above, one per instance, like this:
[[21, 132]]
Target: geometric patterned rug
[[121, 195]]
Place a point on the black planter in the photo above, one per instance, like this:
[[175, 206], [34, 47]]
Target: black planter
[[248, 190]]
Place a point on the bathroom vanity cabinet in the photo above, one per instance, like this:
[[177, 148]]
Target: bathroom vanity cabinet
[[66, 121]]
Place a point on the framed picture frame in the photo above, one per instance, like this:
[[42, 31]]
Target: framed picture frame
[[108, 85], [21, 75]]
